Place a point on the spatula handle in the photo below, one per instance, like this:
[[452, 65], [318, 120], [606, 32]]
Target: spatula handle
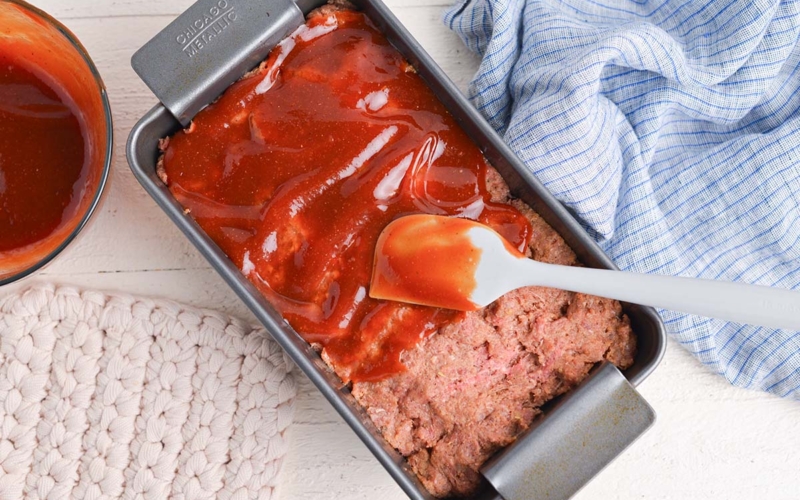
[[735, 302]]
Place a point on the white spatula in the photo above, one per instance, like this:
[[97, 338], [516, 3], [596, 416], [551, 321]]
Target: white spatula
[[461, 264]]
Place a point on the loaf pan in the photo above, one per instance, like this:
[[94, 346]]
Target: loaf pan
[[579, 433]]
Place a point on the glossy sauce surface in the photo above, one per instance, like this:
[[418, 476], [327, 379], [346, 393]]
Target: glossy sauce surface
[[295, 172], [43, 167]]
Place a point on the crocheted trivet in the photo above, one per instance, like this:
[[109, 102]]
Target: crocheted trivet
[[110, 396]]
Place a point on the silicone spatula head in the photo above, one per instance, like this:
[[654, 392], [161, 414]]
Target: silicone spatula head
[[442, 262]]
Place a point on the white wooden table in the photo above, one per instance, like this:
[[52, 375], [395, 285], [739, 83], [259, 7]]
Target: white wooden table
[[711, 440]]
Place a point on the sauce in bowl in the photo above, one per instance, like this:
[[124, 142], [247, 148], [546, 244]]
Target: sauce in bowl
[[42, 157], [55, 139]]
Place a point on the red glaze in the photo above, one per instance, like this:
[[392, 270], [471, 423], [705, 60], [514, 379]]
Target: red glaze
[[427, 260], [43, 168], [297, 182]]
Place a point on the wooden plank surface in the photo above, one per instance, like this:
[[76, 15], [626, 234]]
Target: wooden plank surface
[[711, 440]]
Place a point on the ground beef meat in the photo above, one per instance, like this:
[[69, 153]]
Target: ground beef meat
[[472, 388], [331, 7]]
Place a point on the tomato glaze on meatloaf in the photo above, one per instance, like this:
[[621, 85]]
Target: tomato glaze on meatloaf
[[294, 172]]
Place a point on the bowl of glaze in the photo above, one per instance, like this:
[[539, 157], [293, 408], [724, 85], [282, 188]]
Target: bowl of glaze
[[55, 139]]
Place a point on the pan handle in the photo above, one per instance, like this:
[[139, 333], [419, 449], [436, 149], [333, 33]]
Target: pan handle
[[577, 438], [208, 47]]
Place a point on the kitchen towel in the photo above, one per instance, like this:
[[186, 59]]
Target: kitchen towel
[[671, 130], [110, 396]]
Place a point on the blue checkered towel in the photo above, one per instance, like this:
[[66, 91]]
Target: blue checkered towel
[[671, 129]]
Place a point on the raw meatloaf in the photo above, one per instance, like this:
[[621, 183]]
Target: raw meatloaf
[[294, 172], [478, 383]]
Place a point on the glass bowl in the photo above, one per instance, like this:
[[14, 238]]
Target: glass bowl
[[44, 47]]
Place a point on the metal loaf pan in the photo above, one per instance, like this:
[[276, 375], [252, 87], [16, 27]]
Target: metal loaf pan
[[564, 465]]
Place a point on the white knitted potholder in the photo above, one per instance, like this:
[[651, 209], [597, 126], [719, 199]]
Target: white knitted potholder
[[111, 396]]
